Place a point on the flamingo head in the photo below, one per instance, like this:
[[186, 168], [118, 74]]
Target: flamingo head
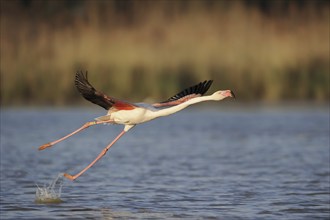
[[222, 94]]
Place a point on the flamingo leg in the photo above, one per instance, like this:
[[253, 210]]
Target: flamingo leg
[[104, 151], [86, 125]]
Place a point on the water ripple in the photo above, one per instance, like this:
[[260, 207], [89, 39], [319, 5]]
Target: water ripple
[[230, 165]]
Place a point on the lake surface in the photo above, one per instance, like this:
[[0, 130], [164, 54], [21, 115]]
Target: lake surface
[[267, 163]]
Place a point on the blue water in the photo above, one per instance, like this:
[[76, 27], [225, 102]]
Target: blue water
[[241, 163]]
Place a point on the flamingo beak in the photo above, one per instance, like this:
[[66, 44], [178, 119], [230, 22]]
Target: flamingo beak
[[228, 93]]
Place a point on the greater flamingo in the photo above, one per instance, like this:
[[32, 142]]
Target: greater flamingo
[[129, 114]]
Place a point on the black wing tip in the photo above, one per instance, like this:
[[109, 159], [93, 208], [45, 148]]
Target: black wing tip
[[206, 85], [208, 81], [89, 92], [200, 88], [80, 76], [81, 82]]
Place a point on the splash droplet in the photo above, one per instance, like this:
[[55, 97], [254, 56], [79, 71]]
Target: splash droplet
[[50, 193]]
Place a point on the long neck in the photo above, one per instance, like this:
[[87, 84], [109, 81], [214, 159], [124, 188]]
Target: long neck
[[174, 109]]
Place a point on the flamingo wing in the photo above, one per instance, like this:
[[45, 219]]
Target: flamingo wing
[[189, 93], [96, 97]]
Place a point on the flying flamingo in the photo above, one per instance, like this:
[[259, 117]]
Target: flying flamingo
[[129, 114]]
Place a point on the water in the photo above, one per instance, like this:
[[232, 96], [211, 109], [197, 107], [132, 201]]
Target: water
[[197, 164]]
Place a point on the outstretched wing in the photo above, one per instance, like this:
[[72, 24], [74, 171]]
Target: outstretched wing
[[189, 93], [96, 97]]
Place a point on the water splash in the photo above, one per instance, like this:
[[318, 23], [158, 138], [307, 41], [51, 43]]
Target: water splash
[[50, 193]]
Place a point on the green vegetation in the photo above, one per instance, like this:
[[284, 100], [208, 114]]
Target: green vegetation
[[152, 49]]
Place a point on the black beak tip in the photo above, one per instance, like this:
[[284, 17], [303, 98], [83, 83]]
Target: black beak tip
[[232, 94]]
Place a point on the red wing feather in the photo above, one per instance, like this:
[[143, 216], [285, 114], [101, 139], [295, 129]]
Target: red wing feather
[[123, 105]]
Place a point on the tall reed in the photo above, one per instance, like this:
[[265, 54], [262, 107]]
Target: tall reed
[[152, 49]]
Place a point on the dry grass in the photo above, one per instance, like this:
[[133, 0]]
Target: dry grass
[[157, 48]]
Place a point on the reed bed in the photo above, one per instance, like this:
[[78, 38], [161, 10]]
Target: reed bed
[[151, 49]]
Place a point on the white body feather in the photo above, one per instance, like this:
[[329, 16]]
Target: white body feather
[[139, 115]]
